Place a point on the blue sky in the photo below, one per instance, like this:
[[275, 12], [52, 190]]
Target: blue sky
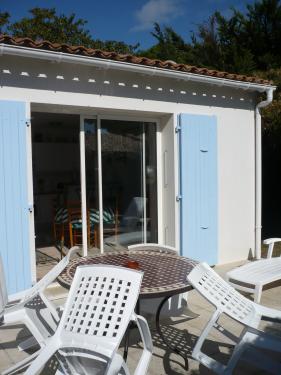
[[130, 20]]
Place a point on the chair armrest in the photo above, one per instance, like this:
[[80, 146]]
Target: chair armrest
[[49, 278], [269, 314], [270, 242], [147, 344]]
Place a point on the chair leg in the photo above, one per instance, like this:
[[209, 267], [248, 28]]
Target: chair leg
[[96, 236], [55, 233], [62, 236], [204, 358], [70, 235], [237, 352], [257, 293]]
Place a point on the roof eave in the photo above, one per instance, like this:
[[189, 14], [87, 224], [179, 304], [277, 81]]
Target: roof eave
[[59, 57]]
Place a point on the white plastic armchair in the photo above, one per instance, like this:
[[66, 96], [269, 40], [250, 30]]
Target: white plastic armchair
[[99, 307], [230, 302], [40, 318], [155, 246]]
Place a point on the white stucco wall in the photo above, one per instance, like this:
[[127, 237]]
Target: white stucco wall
[[80, 89]]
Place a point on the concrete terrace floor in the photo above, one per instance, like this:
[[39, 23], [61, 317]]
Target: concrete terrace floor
[[181, 330]]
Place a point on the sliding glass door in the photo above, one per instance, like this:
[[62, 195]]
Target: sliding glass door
[[121, 182]]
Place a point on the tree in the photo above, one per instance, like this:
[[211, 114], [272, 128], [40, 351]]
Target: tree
[[170, 46], [262, 28], [46, 24], [242, 43], [4, 21]]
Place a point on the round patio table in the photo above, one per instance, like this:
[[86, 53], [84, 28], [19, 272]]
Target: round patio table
[[165, 275]]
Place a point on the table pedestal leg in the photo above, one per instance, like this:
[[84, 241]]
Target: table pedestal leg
[[158, 328]]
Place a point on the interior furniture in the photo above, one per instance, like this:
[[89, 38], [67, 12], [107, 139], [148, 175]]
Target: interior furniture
[[251, 277], [61, 221], [249, 314], [110, 222], [76, 228], [34, 310], [60, 226], [99, 308], [164, 275]]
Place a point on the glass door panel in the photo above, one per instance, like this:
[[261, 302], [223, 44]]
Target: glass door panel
[[129, 182], [151, 182]]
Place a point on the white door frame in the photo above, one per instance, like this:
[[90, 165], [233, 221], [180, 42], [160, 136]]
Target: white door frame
[[100, 183], [83, 187], [30, 196]]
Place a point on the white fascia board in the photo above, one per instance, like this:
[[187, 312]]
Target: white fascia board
[[110, 64]]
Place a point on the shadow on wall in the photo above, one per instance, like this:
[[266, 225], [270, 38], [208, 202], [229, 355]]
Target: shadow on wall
[[89, 80]]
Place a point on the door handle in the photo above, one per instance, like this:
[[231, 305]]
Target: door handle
[[204, 227]]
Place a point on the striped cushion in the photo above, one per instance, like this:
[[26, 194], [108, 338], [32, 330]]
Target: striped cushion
[[108, 216], [61, 215], [76, 224]]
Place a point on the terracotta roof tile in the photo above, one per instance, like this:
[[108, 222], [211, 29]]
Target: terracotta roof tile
[[90, 52]]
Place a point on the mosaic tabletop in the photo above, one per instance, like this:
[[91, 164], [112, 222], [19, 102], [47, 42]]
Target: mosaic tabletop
[[164, 272]]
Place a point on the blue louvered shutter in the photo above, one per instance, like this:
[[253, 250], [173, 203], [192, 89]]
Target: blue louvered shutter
[[199, 187], [14, 210]]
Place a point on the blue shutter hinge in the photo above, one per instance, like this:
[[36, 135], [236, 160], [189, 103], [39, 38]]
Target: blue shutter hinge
[[30, 208], [178, 198], [28, 122], [178, 128]]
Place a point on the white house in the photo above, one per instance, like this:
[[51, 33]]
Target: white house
[[169, 153]]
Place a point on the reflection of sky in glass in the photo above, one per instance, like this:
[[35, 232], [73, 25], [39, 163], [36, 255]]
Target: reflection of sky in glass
[[90, 126]]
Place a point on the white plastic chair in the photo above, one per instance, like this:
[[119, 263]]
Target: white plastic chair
[[151, 246], [40, 318], [99, 307], [230, 302], [251, 277]]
